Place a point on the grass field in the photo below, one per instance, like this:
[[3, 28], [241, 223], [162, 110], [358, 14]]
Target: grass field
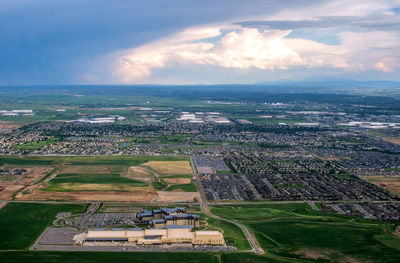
[[95, 179], [232, 234], [91, 257], [22, 223], [296, 232], [182, 187], [104, 173]]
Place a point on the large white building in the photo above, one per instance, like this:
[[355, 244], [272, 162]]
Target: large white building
[[173, 234]]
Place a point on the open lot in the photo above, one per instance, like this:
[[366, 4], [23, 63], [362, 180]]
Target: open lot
[[27, 181], [112, 178], [392, 140], [170, 168], [390, 183]]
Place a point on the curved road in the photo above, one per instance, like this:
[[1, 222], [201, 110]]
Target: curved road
[[204, 208]]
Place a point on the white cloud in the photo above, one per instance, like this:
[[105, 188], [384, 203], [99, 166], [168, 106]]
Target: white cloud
[[234, 47], [245, 48]]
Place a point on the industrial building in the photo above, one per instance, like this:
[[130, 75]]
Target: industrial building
[[172, 234], [159, 218]]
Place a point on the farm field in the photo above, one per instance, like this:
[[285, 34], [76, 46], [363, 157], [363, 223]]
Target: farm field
[[22, 223], [79, 182], [170, 167], [86, 160], [298, 233], [105, 178]]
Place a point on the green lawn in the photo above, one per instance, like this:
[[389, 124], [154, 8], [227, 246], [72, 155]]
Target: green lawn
[[295, 232], [22, 223]]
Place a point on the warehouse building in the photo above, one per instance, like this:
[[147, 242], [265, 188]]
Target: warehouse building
[[173, 234], [160, 218]]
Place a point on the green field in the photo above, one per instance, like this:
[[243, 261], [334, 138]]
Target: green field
[[66, 182], [183, 187], [91, 257], [86, 160], [22, 223], [233, 235], [36, 145], [95, 179], [296, 232], [76, 171], [159, 184]]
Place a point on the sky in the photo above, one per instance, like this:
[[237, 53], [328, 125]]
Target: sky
[[62, 42]]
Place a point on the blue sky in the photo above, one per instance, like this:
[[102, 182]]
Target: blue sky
[[188, 42]]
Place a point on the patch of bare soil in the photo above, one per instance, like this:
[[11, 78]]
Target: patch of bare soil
[[7, 125], [164, 196], [312, 254], [27, 181], [136, 196], [83, 169], [392, 140], [177, 180], [9, 190]]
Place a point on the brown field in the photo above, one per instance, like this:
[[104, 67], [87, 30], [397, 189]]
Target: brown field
[[142, 196], [27, 187], [85, 169], [139, 173], [392, 140], [9, 190], [8, 125], [27, 182], [177, 196], [97, 187], [135, 196], [177, 180], [170, 167], [390, 183]]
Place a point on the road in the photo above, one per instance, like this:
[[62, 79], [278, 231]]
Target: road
[[204, 208]]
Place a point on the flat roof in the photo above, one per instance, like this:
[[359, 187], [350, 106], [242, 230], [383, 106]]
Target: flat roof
[[207, 233], [178, 227]]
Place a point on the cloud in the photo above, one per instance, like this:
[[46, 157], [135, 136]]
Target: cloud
[[243, 49], [248, 48], [384, 22]]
